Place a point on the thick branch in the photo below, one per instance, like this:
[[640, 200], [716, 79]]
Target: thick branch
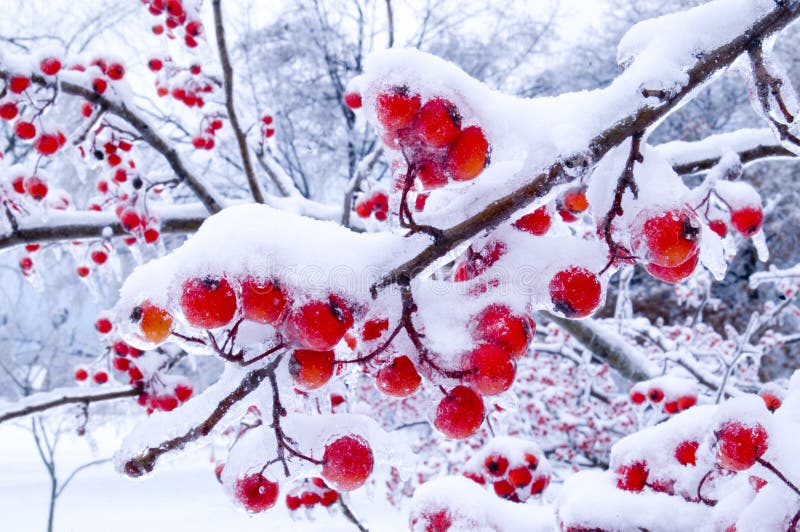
[[645, 117], [227, 74], [147, 133], [46, 401]]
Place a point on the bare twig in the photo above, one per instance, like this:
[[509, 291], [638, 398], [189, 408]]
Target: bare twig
[[33, 407]]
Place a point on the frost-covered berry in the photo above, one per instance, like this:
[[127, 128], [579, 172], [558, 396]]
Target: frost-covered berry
[[686, 452], [46, 144], [25, 130], [536, 223], [347, 462], [655, 395], [18, 84], [81, 374], [100, 377], [520, 476], [8, 111], [103, 325], [497, 325], [496, 464], [632, 477], [50, 66], [468, 154], [352, 100], [575, 201], [208, 302], [668, 238], [719, 227], [311, 369], [637, 397], [490, 369], [432, 173], [575, 292], [154, 322], [438, 123], [319, 325], [675, 274], [399, 378], [459, 413], [263, 301], [397, 107], [739, 445], [772, 401], [748, 220], [256, 492]]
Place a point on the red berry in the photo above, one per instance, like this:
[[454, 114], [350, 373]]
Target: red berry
[[25, 264], [99, 85], [475, 477], [469, 154], [120, 364], [520, 476], [497, 325], [50, 66], [155, 64], [18, 84], [575, 201], [46, 144], [311, 369], [432, 174], [8, 111], [686, 401], [35, 187], [671, 407], [719, 227], [347, 462], [120, 348], [99, 257], [655, 395], [329, 497], [637, 397], [115, 71], [739, 445], [25, 130], [632, 477], [477, 263], [151, 235], [748, 220], [255, 492], [575, 292], [352, 100], [100, 377], [397, 107], [503, 488], [496, 464], [103, 325], [491, 369], [18, 184], [686, 452], [399, 378], [113, 160], [208, 302], [459, 413], [135, 374], [419, 202], [319, 325], [540, 484], [81, 374], [266, 120], [363, 208], [154, 322], [438, 123], [374, 329], [120, 176], [158, 29], [310, 498], [773, 402], [669, 238], [129, 219], [676, 274], [263, 301], [82, 271], [536, 223], [194, 28], [292, 502], [183, 392]]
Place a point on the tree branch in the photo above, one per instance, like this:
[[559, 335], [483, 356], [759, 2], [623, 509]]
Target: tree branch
[[227, 74], [45, 401], [362, 171]]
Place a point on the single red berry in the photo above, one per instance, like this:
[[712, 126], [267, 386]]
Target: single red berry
[[748, 221], [671, 407], [8, 111], [432, 174], [183, 392], [496, 464], [475, 477], [18, 184], [476, 263], [503, 488], [155, 323], [536, 223], [668, 238], [120, 176], [50, 66], [266, 120], [18, 84], [719, 227], [397, 107], [374, 329], [35, 187], [311, 369], [399, 378], [772, 401], [293, 502], [686, 401], [114, 160], [686, 452], [120, 364], [739, 445], [319, 325], [103, 325], [25, 264], [347, 462], [81, 374], [99, 85], [194, 28], [25, 130], [352, 100], [540, 484], [419, 202], [497, 325], [632, 477], [459, 413], [655, 395], [491, 369], [158, 29], [575, 201], [31, 248], [82, 271], [637, 397], [135, 374], [520, 476], [575, 292], [310, 498], [256, 492], [329, 498], [208, 302], [46, 144], [263, 301], [151, 235], [120, 348], [129, 219], [439, 123], [100, 377], [469, 154], [99, 257], [155, 64], [676, 274], [363, 208]]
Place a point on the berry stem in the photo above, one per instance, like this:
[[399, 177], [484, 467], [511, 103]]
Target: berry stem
[[778, 474]]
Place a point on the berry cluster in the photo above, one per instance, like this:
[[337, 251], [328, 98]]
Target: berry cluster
[[309, 493], [514, 469], [672, 395], [176, 17], [375, 204], [184, 84]]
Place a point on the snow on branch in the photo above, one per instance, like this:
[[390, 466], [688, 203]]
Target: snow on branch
[[64, 396]]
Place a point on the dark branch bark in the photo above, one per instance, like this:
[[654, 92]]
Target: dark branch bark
[[68, 400], [746, 156], [646, 116], [147, 134], [227, 74]]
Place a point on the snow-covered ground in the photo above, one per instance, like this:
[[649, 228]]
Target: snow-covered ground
[[180, 495]]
